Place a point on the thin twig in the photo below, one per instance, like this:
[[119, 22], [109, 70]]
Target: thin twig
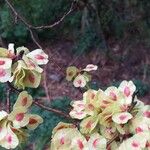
[[39, 104], [133, 103], [42, 98], [14, 88], [43, 26], [2, 42], [8, 100], [113, 139], [17, 14], [57, 22], [46, 86], [145, 70], [34, 39], [51, 109], [31, 27]]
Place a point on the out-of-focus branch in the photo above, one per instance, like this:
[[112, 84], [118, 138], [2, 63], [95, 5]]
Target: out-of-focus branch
[[46, 86], [8, 100], [112, 140], [13, 88], [133, 103], [2, 42]]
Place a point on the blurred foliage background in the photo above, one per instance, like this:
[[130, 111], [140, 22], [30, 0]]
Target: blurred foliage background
[[119, 30], [93, 21]]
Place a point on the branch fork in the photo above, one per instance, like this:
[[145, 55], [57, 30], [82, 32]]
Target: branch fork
[[32, 27]]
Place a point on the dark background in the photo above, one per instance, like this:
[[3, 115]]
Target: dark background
[[113, 34]]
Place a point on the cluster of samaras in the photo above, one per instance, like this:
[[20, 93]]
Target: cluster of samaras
[[20, 68], [13, 126], [113, 119]]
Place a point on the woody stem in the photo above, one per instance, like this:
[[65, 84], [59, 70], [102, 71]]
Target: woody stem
[[37, 103], [51, 109], [8, 100]]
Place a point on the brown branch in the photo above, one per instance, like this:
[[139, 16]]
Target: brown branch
[[34, 39], [133, 103], [17, 14], [2, 42], [57, 22], [51, 109], [37, 103], [8, 100], [42, 98], [24, 21], [13, 88], [46, 86], [30, 26], [113, 139]]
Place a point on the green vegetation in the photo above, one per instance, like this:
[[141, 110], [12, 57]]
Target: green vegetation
[[92, 22]]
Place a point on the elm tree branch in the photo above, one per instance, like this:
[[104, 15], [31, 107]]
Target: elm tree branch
[[34, 39], [59, 21], [30, 26], [36, 103], [17, 14], [46, 86], [24, 21], [8, 99], [51, 109], [133, 103], [113, 139]]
